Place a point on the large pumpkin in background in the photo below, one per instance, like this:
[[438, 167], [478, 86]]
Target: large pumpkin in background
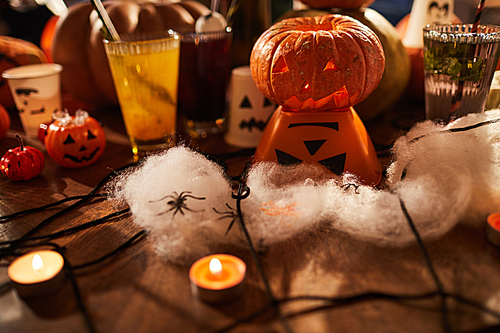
[[318, 63], [397, 64], [16, 52], [78, 46]]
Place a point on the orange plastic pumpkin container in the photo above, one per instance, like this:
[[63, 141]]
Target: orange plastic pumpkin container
[[317, 69], [75, 142]]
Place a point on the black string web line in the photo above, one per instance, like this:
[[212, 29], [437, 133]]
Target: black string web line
[[17, 247]]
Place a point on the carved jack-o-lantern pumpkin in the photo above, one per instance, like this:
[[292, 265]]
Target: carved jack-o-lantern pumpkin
[[75, 142], [321, 63]]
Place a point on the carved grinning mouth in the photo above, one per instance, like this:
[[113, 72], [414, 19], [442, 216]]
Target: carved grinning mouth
[[83, 158], [341, 98]]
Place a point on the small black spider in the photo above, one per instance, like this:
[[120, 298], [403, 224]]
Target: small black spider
[[231, 213], [348, 186], [177, 202]]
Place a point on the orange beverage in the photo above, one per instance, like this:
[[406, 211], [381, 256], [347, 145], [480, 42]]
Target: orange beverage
[[145, 73]]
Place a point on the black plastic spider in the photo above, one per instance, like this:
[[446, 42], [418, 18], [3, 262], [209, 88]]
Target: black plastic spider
[[231, 213], [348, 186], [177, 202]]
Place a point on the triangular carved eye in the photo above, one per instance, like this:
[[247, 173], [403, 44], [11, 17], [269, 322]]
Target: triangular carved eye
[[280, 66], [68, 140], [330, 66], [90, 135], [305, 88]]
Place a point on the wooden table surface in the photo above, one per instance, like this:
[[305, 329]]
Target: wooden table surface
[[320, 282]]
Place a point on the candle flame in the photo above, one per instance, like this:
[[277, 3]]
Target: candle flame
[[37, 262], [215, 267]]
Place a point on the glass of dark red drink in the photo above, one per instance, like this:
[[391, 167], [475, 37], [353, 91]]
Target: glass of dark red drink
[[205, 68]]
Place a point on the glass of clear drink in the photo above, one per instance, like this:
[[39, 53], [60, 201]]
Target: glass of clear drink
[[145, 70], [459, 65]]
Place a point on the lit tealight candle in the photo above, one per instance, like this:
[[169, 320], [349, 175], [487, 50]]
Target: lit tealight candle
[[35, 273], [493, 229], [218, 278]]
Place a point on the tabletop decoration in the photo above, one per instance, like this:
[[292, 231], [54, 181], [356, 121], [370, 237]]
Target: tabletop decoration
[[75, 141], [288, 201], [37, 273], [466, 148], [397, 65], [4, 121], [248, 112], [316, 69], [23, 162], [217, 278]]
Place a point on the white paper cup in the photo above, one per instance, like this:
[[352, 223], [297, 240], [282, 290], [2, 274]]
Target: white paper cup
[[249, 110], [36, 90]]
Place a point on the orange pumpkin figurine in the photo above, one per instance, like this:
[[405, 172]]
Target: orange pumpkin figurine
[[75, 142], [317, 68]]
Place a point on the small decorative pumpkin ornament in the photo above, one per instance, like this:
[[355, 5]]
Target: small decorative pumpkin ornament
[[317, 63], [4, 121], [23, 162], [75, 142]]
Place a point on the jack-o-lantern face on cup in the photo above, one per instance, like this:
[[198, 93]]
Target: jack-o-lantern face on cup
[[320, 63], [336, 140], [75, 142]]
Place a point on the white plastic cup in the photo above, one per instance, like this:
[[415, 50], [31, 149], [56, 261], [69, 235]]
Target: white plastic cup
[[249, 110], [36, 90]]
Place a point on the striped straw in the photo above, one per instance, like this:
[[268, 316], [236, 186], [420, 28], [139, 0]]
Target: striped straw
[[109, 31], [478, 16], [457, 98]]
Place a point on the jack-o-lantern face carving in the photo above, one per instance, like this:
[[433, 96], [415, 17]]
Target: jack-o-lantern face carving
[[75, 142], [321, 63]]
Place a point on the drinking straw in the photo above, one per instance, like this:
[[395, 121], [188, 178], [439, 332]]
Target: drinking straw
[[458, 97], [480, 8], [108, 29]]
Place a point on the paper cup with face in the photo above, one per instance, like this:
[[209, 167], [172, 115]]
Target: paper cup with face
[[36, 90], [249, 110]]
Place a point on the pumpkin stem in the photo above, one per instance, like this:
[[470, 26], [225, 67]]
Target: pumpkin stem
[[21, 143], [62, 116], [80, 117]]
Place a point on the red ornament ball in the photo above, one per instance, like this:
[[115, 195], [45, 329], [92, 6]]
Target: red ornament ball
[[22, 163]]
